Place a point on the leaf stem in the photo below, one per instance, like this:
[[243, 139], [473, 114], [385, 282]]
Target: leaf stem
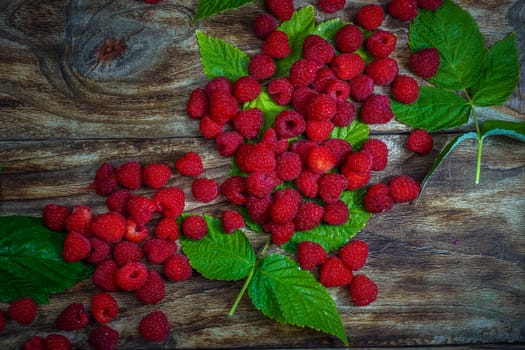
[[479, 136]]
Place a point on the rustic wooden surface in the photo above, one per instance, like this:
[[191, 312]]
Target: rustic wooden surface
[[450, 268]]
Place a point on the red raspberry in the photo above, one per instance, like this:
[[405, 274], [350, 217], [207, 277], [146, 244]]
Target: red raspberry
[[263, 25], [103, 338], [36, 342], [261, 66], [73, 317], [223, 107], [379, 152], [307, 183], [303, 72], [370, 16], [354, 254], [425, 63], [319, 130], [356, 179], [363, 290], [231, 221], [376, 110], [382, 70], [104, 275], [167, 228], [340, 149], [289, 123], [125, 252], [405, 89], [259, 209], [56, 341], [159, 250], [260, 184], [331, 186], [347, 65], [219, 83], [110, 227], [177, 268], [280, 90], [170, 201], [323, 77], [309, 216], [190, 164], [430, 5], [100, 251], [246, 89], [404, 189], [3, 321], [129, 175], [22, 310], [105, 179], [141, 209], [361, 87], [344, 115], [135, 232], [204, 190], [321, 107], [420, 141], [336, 213], [333, 273], [285, 204], [359, 161], [302, 147], [228, 143], [276, 45], [317, 49], [197, 105], [76, 247], [281, 233], [300, 98], [339, 90], [156, 175], [349, 38], [104, 307], [331, 6], [54, 216], [153, 291], [310, 255], [131, 276], [154, 327], [320, 159], [194, 227], [378, 199], [289, 166], [152, 1], [405, 10], [269, 138], [233, 188], [210, 129], [282, 9], [253, 157], [80, 219], [248, 122], [118, 201], [381, 43]]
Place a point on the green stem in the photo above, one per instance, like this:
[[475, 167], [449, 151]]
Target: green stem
[[480, 139], [478, 163]]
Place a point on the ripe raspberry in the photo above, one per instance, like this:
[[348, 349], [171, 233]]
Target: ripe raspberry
[[197, 105], [125, 252], [376, 110], [320, 159], [141, 209], [420, 141], [300, 98], [263, 25], [154, 327], [347, 65], [381, 43], [282, 9], [289, 166], [194, 227], [382, 70], [379, 152], [319, 130], [349, 38], [76, 247], [404, 189], [309, 216], [261, 66], [80, 219], [430, 5], [223, 107], [340, 149], [129, 175], [303, 72], [363, 290], [259, 209], [307, 183], [260, 184], [317, 49], [3, 321], [289, 123], [276, 45], [217, 84], [336, 213], [354, 254], [167, 228], [57, 341], [284, 206], [310, 255], [135, 232], [405, 89], [105, 179], [321, 107], [54, 216], [302, 147], [356, 179], [233, 188], [73, 317], [100, 251], [246, 89], [269, 139], [248, 122], [378, 199], [425, 63], [331, 6], [104, 275], [118, 201], [35, 342], [177, 268], [131, 276], [103, 338], [205, 190], [253, 157], [104, 307], [359, 161], [339, 90], [190, 164], [210, 129], [280, 90], [110, 227], [405, 10], [345, 113], [156, 175], [361, 87], [170, 201], [323, 77], [231, 221], [333, 273], [159, 250], [281, 233], [331, 186], [153, 290], [228, 143], [370, 16], [22, 310]]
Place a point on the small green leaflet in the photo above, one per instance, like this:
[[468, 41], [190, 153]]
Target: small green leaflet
[[515, 130], [208, 8], [219, 255], [355, 133], [284, 292], [267, 105], [31, 263]]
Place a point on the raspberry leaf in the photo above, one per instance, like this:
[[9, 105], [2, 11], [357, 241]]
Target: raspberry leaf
[[208, 8], [31, 263], [220, 256], [515, 130], [290, 295], [355, 133], [269, 108]]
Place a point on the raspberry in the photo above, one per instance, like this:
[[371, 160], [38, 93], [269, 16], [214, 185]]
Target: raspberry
[[361, 87], [219, 83], [321, 107], [363, 290], [210, 129], [405, 10], [260, 184], [302, 147], [22, 310], [135, 232], [339, 90], [269, 138], [336, 213], [289, 123], [36, 342], [359, 161], [223, 107], [281, 233], [118, 201], [333, 273], [105, 179], [323, 77], [79, 220], [154, 327], [194, 227], [405, 89], [303, 72], [320, 159], [310, 255], [381, 43], [177, 268], [131, 276], [190, 164], [228, 143], [331, 6], [276, 45], [404, 189], [347, 65], [300, 98], [430, 5], [331, 186], [378, 199], [263, 25], [156, 175], [317, 49], [167, 228], [197, 105], [248, 122], [104, 275], [345, 113], [125, 252], [3, 321], [382, 70], [103, 338], [307, 183], [100, 251], [356, 179], [104, 307], [204, 190], [370, 16], [261, 66], [170, 201], [259, 209], [349, 38], [289, 166], [340, 149], [246, 89], [280, 90], [141, 209], [376, 110], [231, 221], [153, 290], [354, 254], [379, 152], [253, 157], [319, 130], [73, 317], [159, 250], [309, 216], [57, 341], [420, 141], [233, 188], [425, 63], [285, 204], [110, 227], [54, 216], [129, 175], [282, 9], [76, 247]]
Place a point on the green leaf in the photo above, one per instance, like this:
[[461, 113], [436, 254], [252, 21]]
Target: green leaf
[[515, 130], [500, 74], [220, 58], [31, 263], [435, 109], [219, 255], [269, 108], [454, 33], [285, 293], [208, 8], [355, 133]]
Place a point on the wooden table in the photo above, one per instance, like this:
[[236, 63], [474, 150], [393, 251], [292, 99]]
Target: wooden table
[[450, 268]]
